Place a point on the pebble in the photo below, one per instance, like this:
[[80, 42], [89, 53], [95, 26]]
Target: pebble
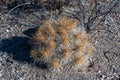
[[0, 73], [99, 71], [0, 59], [7, 30], [103, 77]]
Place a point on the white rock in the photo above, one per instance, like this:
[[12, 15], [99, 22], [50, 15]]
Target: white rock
[[0, 73], [7, 30]]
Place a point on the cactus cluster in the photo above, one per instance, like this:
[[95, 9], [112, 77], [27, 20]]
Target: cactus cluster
[[61, 44]]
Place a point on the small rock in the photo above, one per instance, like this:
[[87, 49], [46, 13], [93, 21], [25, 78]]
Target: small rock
[[99, 71], [0, 73], [7, 30], [0, 59]]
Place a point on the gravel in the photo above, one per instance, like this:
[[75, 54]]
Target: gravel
[[16, 64]]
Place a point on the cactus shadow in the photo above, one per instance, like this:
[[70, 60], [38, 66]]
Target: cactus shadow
[[30, 31], [19, 48], [16, 47]]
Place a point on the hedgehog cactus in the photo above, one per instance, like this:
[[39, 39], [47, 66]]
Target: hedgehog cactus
[[61, 44]]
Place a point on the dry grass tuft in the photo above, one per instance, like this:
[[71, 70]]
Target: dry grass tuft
[[45, 53], [78, 60], [67, 24], [35, 54], [88, 50], [50, 43], [50, 28], [54, 64], [55, 46], [40, 36], [77, 35], [84, 39], [66, 52], [79, 48]]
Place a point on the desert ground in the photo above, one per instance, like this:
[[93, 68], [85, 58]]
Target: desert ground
[[16, 28]]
